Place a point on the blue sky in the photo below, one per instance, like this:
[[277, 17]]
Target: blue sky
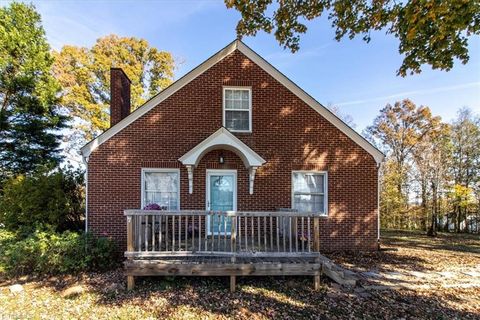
[[360, 78]]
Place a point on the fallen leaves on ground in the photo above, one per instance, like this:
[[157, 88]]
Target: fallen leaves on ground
[[104, 295]]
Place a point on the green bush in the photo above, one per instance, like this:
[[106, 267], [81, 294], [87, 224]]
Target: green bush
[[47, 253], [45, 197]]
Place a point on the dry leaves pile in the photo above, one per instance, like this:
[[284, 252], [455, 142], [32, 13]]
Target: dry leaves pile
[[105, 297]]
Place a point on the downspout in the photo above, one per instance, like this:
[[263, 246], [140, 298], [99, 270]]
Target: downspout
[[379, 168], [85, 161]]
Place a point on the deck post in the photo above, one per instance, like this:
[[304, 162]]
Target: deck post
[[316, 248], [316, 234], [233, 238], [316, 281], [232, 283], [233, 249], [130, 282], [130, 248]]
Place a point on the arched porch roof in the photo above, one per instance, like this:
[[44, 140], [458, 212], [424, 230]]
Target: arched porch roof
[[222, 139]]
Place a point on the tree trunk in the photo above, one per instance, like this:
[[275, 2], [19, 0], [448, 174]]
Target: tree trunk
[[456, 218], [467, 228], [424, 203], [432, 232]]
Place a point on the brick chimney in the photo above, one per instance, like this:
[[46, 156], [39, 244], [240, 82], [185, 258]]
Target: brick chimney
[[119, 95]]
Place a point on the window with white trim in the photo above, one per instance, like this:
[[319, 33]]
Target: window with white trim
[[309, 191], [237, 109], [161, 187]]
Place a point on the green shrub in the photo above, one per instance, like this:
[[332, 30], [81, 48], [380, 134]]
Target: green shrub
[[47, 253], [7, 238], [45, 197]]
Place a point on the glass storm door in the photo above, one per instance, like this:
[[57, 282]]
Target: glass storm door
[[221, 196]]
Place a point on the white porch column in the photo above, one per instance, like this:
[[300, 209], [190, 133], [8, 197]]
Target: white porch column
[[190, 179], [251, 171]]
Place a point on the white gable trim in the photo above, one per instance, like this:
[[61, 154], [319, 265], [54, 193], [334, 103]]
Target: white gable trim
[[267, 67]]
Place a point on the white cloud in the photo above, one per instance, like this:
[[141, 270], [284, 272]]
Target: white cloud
[[412, 93]]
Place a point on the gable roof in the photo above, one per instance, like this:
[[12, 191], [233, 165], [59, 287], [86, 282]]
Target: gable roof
[[217, 57]]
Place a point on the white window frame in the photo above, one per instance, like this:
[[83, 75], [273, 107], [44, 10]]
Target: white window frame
[[167, 170], [250, 124], [325, 188]]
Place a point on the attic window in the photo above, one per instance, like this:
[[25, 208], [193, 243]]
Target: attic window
[[237, 109]]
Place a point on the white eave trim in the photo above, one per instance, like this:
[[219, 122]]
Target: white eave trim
[[267, 67]]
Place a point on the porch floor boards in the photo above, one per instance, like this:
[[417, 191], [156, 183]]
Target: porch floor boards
[[222, 260]]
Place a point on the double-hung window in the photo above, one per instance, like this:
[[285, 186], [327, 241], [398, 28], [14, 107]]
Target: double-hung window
[[161, 187], [237, 109], [309, 191]]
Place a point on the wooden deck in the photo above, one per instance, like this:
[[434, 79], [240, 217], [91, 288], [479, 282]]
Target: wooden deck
[[205, 243]]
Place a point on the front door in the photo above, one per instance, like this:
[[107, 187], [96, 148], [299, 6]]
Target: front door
[[221, 196]]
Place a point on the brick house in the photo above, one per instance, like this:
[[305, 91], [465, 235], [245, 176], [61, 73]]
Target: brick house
[[233, 134]]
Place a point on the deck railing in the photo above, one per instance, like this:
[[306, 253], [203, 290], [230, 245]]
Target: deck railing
[[156, 233]]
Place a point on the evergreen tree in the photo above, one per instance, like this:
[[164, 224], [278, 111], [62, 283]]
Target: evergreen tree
[[30, 117]]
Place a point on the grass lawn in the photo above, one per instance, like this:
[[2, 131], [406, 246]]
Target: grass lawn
[[427, 295]]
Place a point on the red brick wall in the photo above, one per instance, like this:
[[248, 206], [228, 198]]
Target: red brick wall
[[287, 133]]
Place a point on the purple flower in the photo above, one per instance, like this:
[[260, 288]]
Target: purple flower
[[152, 206]]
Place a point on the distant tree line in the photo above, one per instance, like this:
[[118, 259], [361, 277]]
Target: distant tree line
[[430, 179]]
